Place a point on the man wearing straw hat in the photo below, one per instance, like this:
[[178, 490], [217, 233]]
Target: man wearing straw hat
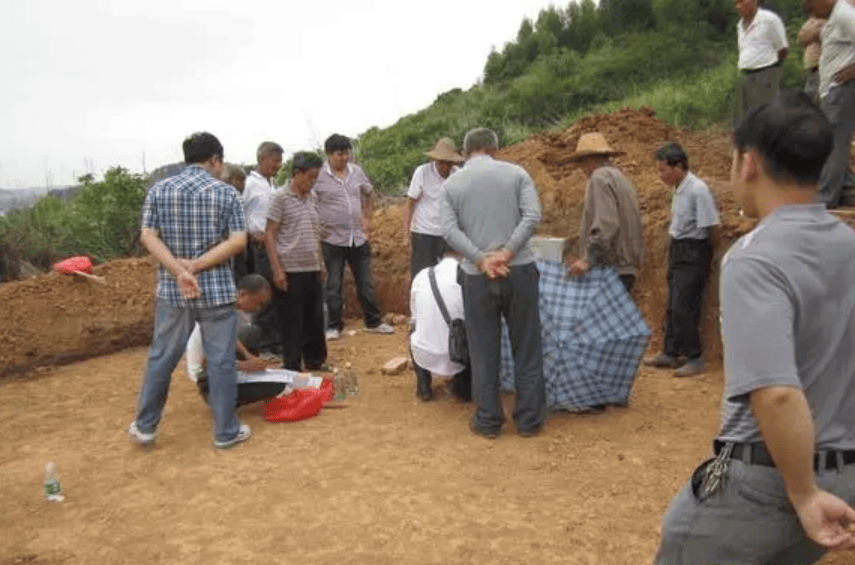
[[611, 221], [422, 229]]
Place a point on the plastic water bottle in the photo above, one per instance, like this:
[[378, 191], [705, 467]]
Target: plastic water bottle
[[53, 490], [339, 386], [351, 377]]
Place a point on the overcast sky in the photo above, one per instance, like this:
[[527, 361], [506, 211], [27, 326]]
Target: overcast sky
[[92, 84]]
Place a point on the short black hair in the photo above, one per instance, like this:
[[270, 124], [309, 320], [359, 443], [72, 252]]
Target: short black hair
[[791, 134], [304, 160], [673, 155], [201, 146], [253, 283], [337, 142]]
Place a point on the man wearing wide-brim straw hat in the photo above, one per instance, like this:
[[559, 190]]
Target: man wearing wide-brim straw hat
[[611, 232], [422, 229]]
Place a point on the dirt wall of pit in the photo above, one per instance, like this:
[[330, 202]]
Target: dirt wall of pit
[[55, 319]]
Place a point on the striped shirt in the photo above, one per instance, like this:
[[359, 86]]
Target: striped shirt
[[340, 205], [297, 240], [192, 212]]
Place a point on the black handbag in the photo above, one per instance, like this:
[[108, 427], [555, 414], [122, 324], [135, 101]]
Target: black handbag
[[458, 348]]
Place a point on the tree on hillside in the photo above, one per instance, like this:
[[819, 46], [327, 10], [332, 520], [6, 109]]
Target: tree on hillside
[[627, 15], [582, 24]]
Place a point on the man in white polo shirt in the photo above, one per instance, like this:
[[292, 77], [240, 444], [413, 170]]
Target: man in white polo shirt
[[422, 229], [258, 189], [763, 46]]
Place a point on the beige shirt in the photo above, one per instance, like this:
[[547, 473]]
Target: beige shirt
[[809, 38], [611, 232]]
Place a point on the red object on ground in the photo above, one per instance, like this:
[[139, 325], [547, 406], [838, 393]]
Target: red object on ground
[[72, 264], [299, 404]]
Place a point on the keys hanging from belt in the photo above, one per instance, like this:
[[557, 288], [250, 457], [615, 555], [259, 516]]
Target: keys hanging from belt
[[715, 475]]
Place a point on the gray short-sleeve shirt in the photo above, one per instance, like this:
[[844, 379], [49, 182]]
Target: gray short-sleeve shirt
[[693, 210], [788, 319]]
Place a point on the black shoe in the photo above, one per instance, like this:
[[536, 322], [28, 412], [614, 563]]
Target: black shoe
[[423, 386], [483, 433], [532, 432]]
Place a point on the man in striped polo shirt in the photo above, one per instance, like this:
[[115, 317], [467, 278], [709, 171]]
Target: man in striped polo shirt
[[292, 241]]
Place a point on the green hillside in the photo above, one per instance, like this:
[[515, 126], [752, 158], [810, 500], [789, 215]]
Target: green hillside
[[676, 56]]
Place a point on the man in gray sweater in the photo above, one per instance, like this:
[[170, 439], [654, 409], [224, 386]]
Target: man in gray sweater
[[489, 210]]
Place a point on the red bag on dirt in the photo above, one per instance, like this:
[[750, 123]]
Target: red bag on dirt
[[72, 264], [299, 404]]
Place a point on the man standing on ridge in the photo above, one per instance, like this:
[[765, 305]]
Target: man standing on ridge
[[762, 42], [836, 92]]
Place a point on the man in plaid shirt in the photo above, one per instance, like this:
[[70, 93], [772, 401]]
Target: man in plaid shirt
[[193, 224]]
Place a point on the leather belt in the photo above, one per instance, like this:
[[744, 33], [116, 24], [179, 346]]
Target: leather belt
[[757, 454]]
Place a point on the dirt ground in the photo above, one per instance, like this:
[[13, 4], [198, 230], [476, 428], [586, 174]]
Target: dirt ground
[[385, 480], [388, 479]]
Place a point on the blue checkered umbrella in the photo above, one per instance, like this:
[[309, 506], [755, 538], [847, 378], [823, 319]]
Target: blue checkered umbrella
[[593, 339]]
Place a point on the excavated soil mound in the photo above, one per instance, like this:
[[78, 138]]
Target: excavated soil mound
[[53, 319]]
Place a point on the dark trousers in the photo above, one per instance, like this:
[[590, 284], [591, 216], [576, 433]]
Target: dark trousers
[[839, 107], [247, 393], [266, 318], [688, 268], [628, 282], [461, 382], [300, 311], [425, 251], [359, 260], [485, 302]]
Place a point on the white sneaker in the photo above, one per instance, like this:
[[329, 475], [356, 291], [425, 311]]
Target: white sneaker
[[244, 433], [333, 335], [383, 328], [139, 437]]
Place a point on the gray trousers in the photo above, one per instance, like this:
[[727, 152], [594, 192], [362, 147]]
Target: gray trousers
[[749, 520], [485, 302], [839, 108], [812, 84], [755, 88]]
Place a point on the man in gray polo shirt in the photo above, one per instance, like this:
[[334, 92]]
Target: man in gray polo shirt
[[694, 226], [489, 210], [836, 91], [780, 489]]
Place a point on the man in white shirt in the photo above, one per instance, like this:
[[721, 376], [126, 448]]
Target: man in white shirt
[[258, 190], [422, 228], [253, 294], [762, 42], [836, 92], [429, 339]]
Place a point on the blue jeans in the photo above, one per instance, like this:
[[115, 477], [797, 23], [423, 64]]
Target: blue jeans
[[172, 327], [359, 259]]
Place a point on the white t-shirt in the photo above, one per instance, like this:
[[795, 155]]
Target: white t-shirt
[[194, 355], [424, 189], [256, 197], [760, 42], [429, 342]]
